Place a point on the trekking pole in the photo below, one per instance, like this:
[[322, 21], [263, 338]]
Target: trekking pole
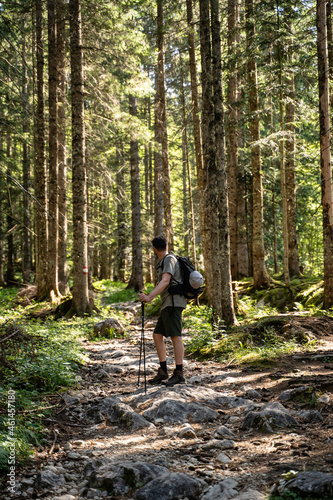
[[143, 346]]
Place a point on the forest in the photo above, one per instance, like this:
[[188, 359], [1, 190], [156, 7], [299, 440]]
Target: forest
[[208, 122]]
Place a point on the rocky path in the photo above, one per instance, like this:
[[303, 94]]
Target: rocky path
[[228, 433]]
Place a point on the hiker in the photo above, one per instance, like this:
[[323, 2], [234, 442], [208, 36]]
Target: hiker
[[169, 323]]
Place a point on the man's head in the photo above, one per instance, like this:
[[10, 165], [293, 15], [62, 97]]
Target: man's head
[[160, 243]]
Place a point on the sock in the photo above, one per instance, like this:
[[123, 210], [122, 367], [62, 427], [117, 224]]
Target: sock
[[163, 365], [179, 367]]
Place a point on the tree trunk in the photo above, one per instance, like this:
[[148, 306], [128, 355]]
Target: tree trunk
[[325, 153], [187, 171], [79, 175], [201, 180], [282, 171], [291, 179], [2, 188], [233, 136], [40, 164], [260, 276], [162, 123], [136, 280], [10, 272], [62, 169], [210, 227], [53, 290], [26, 170], [121, 222], [158, 167], [223, 242]]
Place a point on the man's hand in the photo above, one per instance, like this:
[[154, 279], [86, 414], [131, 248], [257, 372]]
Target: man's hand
[[143, 297]]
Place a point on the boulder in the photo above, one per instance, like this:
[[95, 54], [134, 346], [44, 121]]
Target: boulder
[[109, 328], [270, 417], [121, 478], [306, 484], [49, 480], [171, 486], [175, 411]]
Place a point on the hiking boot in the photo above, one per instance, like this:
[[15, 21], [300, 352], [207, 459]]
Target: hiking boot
[[176, 378], [159, 377]]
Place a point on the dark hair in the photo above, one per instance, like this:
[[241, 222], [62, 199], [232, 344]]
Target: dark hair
[[160, 243]]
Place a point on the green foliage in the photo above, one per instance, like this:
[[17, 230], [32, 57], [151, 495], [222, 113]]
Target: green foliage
[[115, 292], [258, 339]]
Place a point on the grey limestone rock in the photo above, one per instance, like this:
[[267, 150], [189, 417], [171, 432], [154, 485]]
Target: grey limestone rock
[[121, 478], [222, 491], [49, 480], [270, 416], [304, 393], [307, 483], [171, 486], [175, 411]]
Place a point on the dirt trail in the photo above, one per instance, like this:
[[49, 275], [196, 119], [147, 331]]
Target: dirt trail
[[256, 460]]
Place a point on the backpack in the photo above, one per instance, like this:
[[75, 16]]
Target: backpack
[[190, 277]]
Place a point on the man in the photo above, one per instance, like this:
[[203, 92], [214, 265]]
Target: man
[[169, 323]]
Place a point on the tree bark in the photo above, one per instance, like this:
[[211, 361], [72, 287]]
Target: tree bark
[[158, 167], [26, 170], [53, 290], [201, 180], [40, 164], [10, 272], [162, 123], [79, 176], [325, 153], [260, 276], [233, 136], [62, 168], [120, 266], [187, 178], [223, 242], [210, 226], [136, 280]]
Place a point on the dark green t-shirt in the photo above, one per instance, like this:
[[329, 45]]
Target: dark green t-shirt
[[169, 264]]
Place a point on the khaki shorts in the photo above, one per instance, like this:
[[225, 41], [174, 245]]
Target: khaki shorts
[[169, 324]]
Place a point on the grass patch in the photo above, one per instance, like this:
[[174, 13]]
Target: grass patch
[[258, 339]]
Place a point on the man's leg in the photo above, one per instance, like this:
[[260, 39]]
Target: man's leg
[[178, 376], [160, 346], [162, 373], [178, 349]]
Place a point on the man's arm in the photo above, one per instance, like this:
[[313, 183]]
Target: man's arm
[[165, 281]]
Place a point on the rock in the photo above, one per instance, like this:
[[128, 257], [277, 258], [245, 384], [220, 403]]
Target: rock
[[253, 394], [223, 458], [71, 400], [196, 379], [222, 491], [314, 483], [102, 374], [223, 431], [73, 455], [324, 399], [221, 444], [49, 480], [187, 432], [113, 369], [311, 415], [121, 478], [300, 394], [268, 418], [171, 486], [65, 497], [175, 411], [108, 328], [250, 495], [121, 413]]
